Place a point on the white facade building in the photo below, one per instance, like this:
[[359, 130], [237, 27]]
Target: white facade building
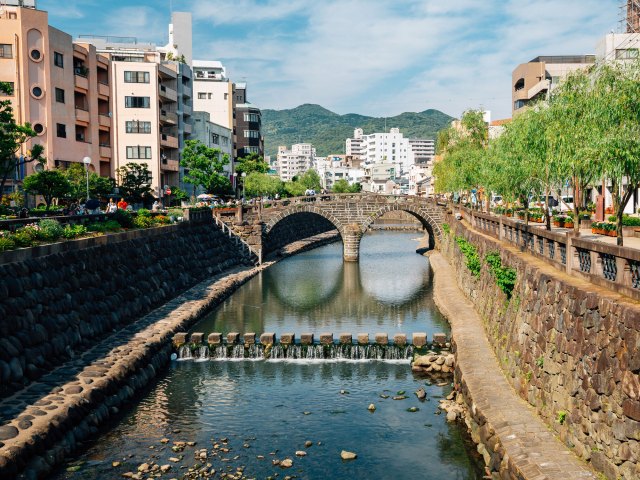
[[354, 145], [334, 168], [296, 161], [213, 92]]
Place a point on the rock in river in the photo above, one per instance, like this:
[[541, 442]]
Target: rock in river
[[348, 455]]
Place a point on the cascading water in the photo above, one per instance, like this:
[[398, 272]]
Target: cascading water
[[336, 352]]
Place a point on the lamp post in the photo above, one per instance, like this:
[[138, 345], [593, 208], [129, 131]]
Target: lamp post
[[244, 175], [87, 162], [235, 182]]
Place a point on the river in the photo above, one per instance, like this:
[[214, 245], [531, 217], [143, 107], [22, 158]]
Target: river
[[252, 415]]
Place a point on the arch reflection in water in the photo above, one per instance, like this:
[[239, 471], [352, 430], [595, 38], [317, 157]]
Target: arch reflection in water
[[389, 290]]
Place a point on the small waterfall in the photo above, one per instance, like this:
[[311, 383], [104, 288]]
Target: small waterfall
[[335, 352]]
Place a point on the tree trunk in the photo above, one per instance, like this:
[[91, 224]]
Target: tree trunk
[[577, 191], [622, 203], [547, 214]]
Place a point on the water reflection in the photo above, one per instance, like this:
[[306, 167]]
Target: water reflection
[[388, 290]]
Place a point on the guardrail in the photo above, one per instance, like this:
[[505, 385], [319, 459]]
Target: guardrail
[[610, 266], [253, 254]]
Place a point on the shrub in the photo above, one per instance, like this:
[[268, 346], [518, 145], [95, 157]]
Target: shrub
[[108, 226], [73, 231], [124, 218], [471, 254], [627, 220], [31, 230], [7, 243], [446, 229], [144, 212], [161, 220], [22, 239], [49, 229], [175, 212], [505, 276], [142, 222]]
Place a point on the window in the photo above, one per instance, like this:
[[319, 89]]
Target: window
[[61, 130], [58, 59], [136, 77], [251, 117], [59, 95], [251, 134], [136, 102], [627, 54], [38, 128], [215, 139], [36, 92], [6, 50], [138, 127], [248, 150], [139, 153], [209, 96], [35, 54], [226, 96], [519, 104], [202, 96]]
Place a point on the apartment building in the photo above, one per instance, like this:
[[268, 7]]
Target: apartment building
[[213, 92], [247, 124], [296, 161], [533, 80], [60, 87], [354, 146], [152, 107], [338, 167]]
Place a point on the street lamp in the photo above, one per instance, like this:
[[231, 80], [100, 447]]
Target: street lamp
[[87, 162], [244, 175]]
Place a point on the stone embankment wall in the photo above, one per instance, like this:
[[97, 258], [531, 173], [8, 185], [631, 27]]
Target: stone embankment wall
[[572, 350], [59, 300]]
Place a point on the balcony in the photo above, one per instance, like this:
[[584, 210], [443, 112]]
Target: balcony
[[105, 151], [104, 120], [170, 165], [103, 89], [186, 91], [187, 128], [168, 93], [81, 82], [187, 110], [168, 141], [82, 115], [168, 117]]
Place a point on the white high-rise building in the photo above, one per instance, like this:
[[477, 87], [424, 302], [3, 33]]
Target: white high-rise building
[[296, 161], [213, 92], [354, 145]]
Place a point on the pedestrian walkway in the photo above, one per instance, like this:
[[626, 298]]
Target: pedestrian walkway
[[532, 449]]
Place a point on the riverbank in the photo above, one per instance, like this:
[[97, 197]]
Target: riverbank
[[49, 424], [513, 440]]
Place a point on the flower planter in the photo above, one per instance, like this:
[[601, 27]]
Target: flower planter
[[568, 225]]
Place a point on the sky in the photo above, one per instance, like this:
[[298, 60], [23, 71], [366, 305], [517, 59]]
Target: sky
[[372, 57]]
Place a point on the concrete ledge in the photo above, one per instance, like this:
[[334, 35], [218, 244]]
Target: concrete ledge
[[514, 441]]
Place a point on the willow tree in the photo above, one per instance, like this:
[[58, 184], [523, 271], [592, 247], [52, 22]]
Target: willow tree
[[616, 98], [572, 134]]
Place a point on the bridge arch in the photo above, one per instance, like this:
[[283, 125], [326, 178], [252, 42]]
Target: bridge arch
[[431, 221], [311, 220]]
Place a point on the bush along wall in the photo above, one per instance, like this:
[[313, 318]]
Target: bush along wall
[[570, 351]]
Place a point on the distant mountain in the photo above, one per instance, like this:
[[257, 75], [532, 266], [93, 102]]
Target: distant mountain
[[327, 131]]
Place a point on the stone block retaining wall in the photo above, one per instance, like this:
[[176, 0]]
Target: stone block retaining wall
[[571, 349], [58, 300]]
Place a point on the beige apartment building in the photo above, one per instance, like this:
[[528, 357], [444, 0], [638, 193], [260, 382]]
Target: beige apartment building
[[533, 81], [60, 87]]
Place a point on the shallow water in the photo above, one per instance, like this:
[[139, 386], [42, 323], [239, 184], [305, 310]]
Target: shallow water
[[268, 409]]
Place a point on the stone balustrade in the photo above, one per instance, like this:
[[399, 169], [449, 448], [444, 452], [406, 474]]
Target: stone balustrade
[[609, 266]]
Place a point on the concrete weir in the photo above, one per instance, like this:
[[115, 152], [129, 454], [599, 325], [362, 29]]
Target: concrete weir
[[325, 346]]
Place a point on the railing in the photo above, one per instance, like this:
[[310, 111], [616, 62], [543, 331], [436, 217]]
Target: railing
[[610, 266], [256, 256]]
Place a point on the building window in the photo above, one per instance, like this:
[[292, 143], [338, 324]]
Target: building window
[[215, 139], [137, 102], [61, 130], [519, 104], [226, 96], [251, 117], [58, 59], [6, 50], [35, 54], [225, 141], [202, 96], [136, 77], [251, 134], [138, 127], [248, 150], [627, 54], [59, 95], [139, 153], [37, 92]]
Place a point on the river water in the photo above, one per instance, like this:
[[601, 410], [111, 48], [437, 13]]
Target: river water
[[252, 414]]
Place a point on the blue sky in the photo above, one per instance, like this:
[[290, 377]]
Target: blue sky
[[373, 57]]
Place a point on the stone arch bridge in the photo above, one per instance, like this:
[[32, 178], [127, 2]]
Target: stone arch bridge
[[266, 230]]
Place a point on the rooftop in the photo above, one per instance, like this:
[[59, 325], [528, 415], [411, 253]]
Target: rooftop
[[565, 59]]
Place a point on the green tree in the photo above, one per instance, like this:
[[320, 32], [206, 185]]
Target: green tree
[[341, 186], [48, 183], [252, 163], [206, 167], [258, 184], [134, 181], [77, 177], [12, 137], [311, 180]]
